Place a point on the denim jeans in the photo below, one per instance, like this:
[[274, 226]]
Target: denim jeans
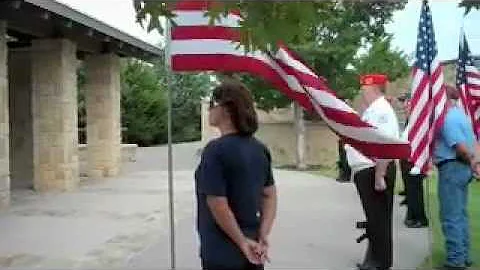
[[454, 178]]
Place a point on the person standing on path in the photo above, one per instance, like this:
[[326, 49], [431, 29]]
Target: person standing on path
[[413, 183], [344, 171], [454, 157], [375, 183], [236, 195], [404, 101]]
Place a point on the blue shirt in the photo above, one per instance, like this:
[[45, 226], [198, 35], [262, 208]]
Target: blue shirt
[[456, 129], [238, 168]]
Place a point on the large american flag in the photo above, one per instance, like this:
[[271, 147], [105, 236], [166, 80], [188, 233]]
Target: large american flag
[[428, 103], [468, 84], [198, 46]]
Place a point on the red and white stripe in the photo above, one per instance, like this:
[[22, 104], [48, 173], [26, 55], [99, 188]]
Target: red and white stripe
[[340, 117], [464, 99], [198, 46], [471, 91], [428, 108], [473, 78]]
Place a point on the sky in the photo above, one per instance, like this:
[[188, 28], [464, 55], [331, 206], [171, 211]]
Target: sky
[[447, 19], [117, 13]]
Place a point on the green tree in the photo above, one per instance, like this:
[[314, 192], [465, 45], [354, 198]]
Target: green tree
[[187, 93], [340, 68], [143, 104], [264, 94], [327, 34], [381, 58], [266, 22]]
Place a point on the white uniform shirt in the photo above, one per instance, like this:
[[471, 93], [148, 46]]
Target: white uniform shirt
[[381, 115]]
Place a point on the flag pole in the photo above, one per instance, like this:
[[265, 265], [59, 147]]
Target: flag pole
[[429, 186], [171, 198]]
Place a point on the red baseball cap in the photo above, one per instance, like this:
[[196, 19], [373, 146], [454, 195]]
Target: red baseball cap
[[373, 79]]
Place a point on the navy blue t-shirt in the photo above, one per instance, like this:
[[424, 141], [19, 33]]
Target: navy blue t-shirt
[[238, 168]]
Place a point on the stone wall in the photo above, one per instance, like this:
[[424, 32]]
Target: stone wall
[[103, 115], [321, 143], [128, 154], [277, 131], [4, 122], [54, 81]]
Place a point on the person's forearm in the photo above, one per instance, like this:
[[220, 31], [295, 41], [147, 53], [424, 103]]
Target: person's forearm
[[464, 154], [381, 167], [476, 151], [225, 219], [380, 172], [268, 211]]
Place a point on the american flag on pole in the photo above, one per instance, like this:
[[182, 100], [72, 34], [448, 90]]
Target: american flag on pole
[[340, 117], [428, 103], [198, 46], [468, 84]]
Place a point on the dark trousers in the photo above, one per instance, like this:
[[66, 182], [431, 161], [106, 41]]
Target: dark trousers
[[343, 168], [404, 176], [378, 208], [414, 189], [248, 266]]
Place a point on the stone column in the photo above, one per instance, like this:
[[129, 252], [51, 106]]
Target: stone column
[[103, 115], [4, 121], [55, 137], [21, 119]]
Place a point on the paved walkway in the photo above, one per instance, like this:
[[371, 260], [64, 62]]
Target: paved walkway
[[123, 222]]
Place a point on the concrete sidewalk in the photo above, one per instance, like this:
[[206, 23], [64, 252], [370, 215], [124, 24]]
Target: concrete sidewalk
[[123, 222], [314, 230]]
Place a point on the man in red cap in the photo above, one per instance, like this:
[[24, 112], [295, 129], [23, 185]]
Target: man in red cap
[[376, 180]]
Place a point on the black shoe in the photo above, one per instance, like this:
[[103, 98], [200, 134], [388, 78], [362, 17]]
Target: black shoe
[[366, 266], [451, 267], [342, 179], [370, 267], [424, 223], [416, 225], [468, 263], [409, 222], [412, 223], [402, 193]]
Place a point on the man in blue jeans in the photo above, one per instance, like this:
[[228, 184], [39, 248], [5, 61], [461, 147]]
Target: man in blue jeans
[[454, 158]]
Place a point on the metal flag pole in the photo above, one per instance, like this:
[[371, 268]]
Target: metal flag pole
[[171, 198], [429, 186], [427, 195]]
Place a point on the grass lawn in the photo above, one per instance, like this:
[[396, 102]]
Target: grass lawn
[[438, 250]]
